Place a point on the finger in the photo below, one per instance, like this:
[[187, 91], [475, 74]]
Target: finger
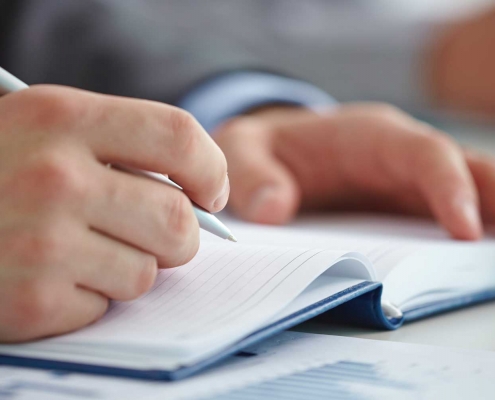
[[148, 215], [116, 270], [143, 134], [263, 189], [483, 170], [79, 308], [165, 139], [401, 154], [50, 308], [437, 167], [384, 151]]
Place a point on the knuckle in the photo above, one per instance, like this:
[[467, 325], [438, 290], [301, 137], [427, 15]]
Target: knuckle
[[35, 303], [180, 217], [53, 107], [38, 247], [186, 133], [97, 311], [217, 181], [183, 121], [57, 177], [101, 310], [223, 168], [191, 250], [145, 277], [241, 127], [386, 111], [431, 150], [183, 228], [181, 254], [188, 249], [436, 142]]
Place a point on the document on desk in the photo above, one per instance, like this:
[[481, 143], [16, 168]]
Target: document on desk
[[232, 295], [291, 365]]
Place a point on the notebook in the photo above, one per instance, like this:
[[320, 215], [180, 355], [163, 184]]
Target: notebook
[[375, 271]]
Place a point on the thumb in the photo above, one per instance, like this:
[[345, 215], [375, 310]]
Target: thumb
[[263, 189]]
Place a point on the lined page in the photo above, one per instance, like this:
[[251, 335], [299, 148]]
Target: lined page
[[227, 290], [231, 290], [384, 241], [415, 259]]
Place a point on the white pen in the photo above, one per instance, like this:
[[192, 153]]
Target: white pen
[[9, 83]]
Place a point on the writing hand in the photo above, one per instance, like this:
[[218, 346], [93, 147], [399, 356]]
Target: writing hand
[[75, 234]]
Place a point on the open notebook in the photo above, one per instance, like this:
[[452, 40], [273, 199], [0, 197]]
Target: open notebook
[[376, 271]]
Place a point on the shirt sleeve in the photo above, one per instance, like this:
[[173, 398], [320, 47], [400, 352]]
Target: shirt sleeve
[[220, 98]]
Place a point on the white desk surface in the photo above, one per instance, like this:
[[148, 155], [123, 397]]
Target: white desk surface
[[472, 327]]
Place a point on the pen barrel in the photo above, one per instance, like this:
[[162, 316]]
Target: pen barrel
[[210, 223], [9, 83]]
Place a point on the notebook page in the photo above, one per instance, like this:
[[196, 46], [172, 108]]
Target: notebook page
[[223, 294], [385, 250], [415, 259], [442, 272]]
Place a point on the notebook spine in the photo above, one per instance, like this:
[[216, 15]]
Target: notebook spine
[[366, 311]]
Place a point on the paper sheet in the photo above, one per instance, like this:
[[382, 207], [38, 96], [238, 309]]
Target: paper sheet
[[383, 241], [230, 290], [291, 365], [225, 293]]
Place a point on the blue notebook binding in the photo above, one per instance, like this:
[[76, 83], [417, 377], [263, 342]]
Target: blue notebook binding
[[359, 304]]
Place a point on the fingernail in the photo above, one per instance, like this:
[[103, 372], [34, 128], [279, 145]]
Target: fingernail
[[468, 209], [221, 200], [259, 199]]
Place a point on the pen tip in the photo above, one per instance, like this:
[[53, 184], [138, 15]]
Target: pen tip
[[232, 238]]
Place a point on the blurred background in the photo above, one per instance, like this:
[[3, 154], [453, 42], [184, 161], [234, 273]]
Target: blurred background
[[354, 49]]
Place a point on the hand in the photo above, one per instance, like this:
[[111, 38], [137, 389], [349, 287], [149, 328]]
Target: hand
[[462, 64], [74, 233], [371, 157]]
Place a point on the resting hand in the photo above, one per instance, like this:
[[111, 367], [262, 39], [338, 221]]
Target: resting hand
[[74, 233], [367, 156]]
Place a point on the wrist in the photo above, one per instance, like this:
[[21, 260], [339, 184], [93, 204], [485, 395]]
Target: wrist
[[240, 92]]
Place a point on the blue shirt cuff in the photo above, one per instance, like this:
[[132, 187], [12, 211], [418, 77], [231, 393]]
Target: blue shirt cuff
[[235, 93]]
